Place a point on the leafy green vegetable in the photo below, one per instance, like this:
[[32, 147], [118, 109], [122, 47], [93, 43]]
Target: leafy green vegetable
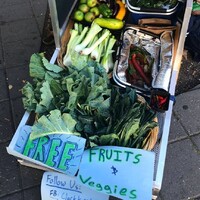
[[81, 99], [129, 122], [36, 66], [51, 67], [29, 102], [55, 123], [46, 95], [40, 96]]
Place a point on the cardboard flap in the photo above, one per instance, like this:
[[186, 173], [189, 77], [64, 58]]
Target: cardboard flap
[[156, 30], [154, 21]]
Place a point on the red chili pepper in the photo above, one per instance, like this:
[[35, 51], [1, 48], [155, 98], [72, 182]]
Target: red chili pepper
[[133, 73], [140, 70], [162, 100]]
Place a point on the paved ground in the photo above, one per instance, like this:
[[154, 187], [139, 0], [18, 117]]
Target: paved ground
[[21, 25]]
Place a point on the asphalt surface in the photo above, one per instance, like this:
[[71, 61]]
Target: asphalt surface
[[21, 28]]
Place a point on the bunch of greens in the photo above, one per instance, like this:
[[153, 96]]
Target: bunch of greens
[[82, 101], [130, 121], [54, 87]]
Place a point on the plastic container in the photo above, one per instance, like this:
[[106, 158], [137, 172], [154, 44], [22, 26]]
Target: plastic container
[[137, 13]]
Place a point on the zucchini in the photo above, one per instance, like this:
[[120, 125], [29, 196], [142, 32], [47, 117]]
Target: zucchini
[[110, 23]]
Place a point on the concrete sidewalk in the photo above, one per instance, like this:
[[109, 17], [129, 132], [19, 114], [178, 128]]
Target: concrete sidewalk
[[21, 25], [182, 169]]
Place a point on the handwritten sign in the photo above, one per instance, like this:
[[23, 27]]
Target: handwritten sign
[[62, 187], [62, 152], [122, 172]]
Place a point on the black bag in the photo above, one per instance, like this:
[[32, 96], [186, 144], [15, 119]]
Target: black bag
[[192, 43]]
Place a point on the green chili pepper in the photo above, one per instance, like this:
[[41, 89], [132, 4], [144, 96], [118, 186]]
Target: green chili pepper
[[105, 10]]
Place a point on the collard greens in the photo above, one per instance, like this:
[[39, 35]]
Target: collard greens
[[82, 101], [54, 123]]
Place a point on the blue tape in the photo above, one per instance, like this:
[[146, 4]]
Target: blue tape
[[172, 98]]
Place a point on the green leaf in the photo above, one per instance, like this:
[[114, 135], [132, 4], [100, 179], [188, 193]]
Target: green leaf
[[46, 95], [101, 105], [56, 87], [92, 144], [109, 139], [36, 66], [40, 109], [55, 123], [51, 67], [70, 121], [49, 76], [131, 129], [77, 90], [78, 61], [29, 100]]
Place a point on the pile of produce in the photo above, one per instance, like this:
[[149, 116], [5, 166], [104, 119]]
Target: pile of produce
[[108, 13], [90, 43], [139, 67], [81, 101]]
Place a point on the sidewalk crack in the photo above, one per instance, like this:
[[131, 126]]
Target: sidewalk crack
[[189, 136]]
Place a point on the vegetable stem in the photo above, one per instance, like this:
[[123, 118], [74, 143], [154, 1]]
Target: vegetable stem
[[94, 29], [89, 50]]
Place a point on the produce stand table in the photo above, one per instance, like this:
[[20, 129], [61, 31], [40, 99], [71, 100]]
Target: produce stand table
[[60, 12], [165, 119]]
